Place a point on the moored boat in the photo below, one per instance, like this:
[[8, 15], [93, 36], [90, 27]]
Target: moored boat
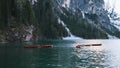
[[96, 44], [79, 46], [31, 46], [43, 46], [46, 46], [87, 45]]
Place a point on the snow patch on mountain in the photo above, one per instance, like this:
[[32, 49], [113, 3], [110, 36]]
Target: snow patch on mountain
[[64, 25], [72, 38], [70, 35], [112, 37], [33, 1], [83, 14], [115, 21], [66, 3], [113, 12], [117, 26], [91, 2]]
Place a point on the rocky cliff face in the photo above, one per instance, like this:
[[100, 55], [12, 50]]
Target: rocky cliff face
[[27, 20], [17, 21], [95, 14]]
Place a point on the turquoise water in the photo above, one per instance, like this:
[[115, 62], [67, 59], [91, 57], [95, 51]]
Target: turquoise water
[[63, 55]]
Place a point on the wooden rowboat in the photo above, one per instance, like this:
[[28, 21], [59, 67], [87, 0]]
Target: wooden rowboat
[[79, 46], [43, 46], [96, 44]]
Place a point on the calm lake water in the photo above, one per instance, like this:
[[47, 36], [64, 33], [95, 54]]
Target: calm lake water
[[63, 55]]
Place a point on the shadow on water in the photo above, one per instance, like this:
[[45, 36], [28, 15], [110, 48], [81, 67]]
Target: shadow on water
[[63, 55]]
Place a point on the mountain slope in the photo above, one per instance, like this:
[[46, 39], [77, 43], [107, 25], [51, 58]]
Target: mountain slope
[[16, 20], [89, 17], [29, 20], [47, 20], [48, 13]]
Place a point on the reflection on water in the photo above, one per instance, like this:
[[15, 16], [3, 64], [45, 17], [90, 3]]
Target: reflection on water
[[90, 58], [63, 55]]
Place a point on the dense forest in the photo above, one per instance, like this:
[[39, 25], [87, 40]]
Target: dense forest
[[18, 21], [47, 20], [81, 27], [25, 20], [16, 17]]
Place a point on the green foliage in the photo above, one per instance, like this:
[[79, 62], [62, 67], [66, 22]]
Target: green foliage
[[25, 12], [93, 17], [48, 22], [16, 10], [15, 16], [113, 31], [110, 29], [81, 27]]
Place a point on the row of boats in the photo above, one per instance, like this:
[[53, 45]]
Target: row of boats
[[51, 46], [37, 46], [79, 46]]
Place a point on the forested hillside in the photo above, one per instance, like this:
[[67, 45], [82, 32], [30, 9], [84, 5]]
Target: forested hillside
[[16, 20], [19, 22], [32, 20], [48, 21]]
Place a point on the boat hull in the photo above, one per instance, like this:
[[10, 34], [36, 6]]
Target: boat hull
[[44, 46], [79, 46]]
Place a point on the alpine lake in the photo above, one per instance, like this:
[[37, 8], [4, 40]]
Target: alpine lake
[[64, 54]]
